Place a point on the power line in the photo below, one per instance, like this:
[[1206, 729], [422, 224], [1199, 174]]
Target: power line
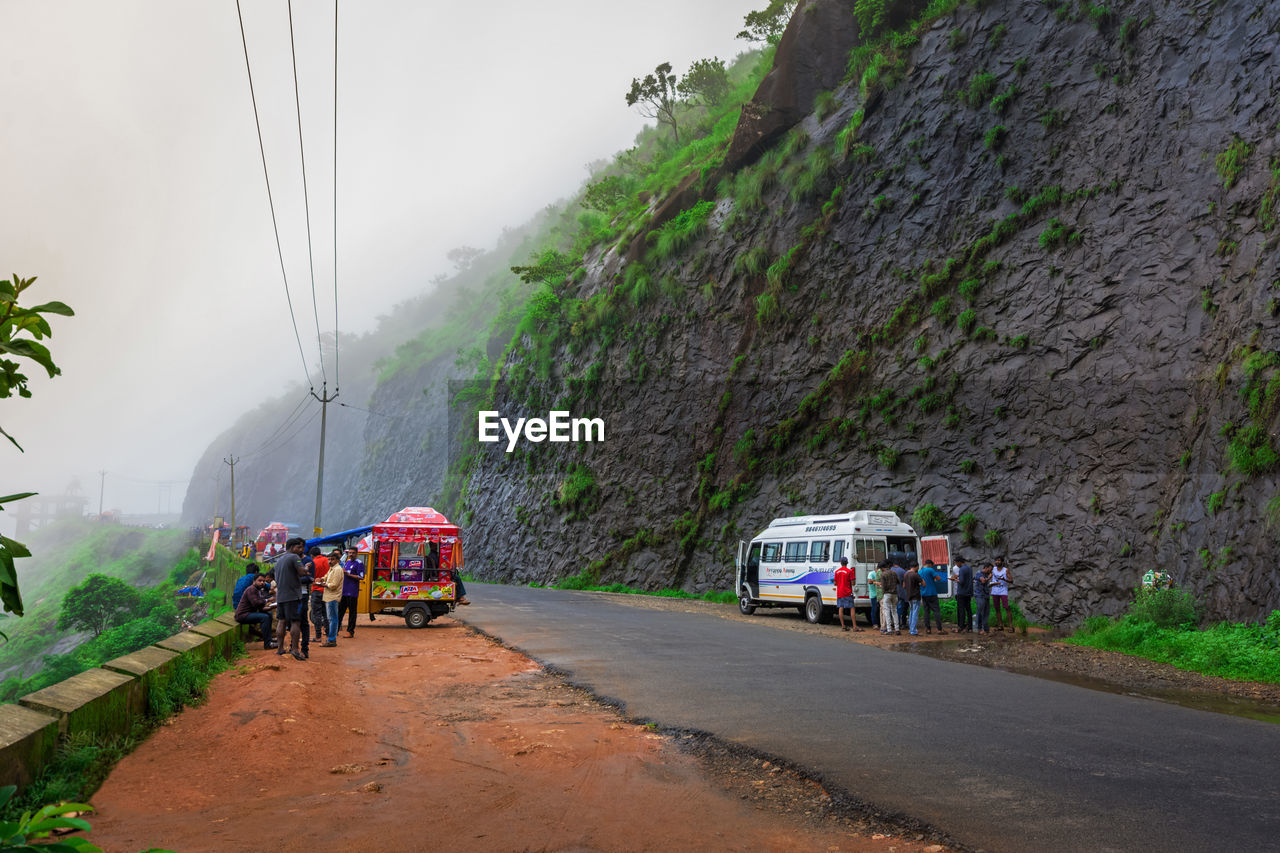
[[281, 427], [367, 411], [284, 425], [281, 443], [142, 481], [306, 202], [271, 201], [336, 374]]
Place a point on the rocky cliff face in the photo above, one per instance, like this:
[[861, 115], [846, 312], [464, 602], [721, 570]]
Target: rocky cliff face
[[406, 454], [1016, 276], [1024, 270]]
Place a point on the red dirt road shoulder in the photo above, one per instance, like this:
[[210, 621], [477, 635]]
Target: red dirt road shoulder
[[434, 739]]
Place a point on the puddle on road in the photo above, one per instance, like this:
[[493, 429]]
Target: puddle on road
[[1220, 704]]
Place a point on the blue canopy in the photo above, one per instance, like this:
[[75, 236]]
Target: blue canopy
[[338, 538]]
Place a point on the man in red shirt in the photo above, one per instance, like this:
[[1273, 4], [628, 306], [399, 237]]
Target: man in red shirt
[[319, 618], [844, 578]]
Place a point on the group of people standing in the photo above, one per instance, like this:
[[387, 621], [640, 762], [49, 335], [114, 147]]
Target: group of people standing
[[990, 588], [305, 590], [901, 592]]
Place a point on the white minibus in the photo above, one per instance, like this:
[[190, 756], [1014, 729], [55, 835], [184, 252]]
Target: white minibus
[[792, 562]]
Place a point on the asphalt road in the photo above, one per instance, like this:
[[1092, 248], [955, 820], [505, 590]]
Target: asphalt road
[[999, 761]]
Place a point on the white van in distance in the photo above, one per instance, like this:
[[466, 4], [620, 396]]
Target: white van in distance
[[792, 562]]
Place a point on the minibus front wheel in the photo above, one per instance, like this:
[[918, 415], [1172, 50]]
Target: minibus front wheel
[[814, 612], [744, 602]]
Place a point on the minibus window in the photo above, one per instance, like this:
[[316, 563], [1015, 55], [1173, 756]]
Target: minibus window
[[753, 556], [772, 552], [837, 550], [818, 552], [795, 552], [870, 550]]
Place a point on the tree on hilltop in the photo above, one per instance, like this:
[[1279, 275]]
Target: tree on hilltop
[[767, 24], [706, 84], [656, 97]]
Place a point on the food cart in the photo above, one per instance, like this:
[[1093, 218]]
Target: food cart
[[270, 541], [415, 561]]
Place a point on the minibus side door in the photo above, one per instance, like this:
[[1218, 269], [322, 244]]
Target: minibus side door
[[840, 548], [868, 553], [750, 571], [938, 549]]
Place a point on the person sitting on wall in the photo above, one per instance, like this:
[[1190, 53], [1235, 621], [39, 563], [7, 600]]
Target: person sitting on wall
[[245, 580], [252, 609]]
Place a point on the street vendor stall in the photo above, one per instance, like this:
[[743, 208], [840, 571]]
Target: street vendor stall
[[415, 561], [269, 543]]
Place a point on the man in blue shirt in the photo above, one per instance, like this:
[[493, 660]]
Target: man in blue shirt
[[250, 574], [931, 577], [353, 574]]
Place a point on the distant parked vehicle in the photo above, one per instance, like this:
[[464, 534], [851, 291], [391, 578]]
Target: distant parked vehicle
[[792, 562], [270, 540]]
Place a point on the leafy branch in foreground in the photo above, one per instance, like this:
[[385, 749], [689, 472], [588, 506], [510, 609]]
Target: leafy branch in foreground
[[21, 330], [17, 834], [16, 322]]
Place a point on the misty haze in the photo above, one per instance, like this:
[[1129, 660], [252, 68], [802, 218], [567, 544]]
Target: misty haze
[[828, 424]]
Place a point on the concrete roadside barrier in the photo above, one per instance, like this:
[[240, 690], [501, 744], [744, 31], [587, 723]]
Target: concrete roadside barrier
[[104, 702], [28, 739], [198, 646], [222, 635], [96, 701], [229, 618], [152, 667]]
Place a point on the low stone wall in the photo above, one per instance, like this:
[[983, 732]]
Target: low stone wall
[[104, 701]]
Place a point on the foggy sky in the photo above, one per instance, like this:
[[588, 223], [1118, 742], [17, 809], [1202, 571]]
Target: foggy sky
[[132, 186]]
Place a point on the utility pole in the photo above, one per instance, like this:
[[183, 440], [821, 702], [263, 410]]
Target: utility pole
[[232, 462], [325, 400], [102, 488], [217, 493]]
